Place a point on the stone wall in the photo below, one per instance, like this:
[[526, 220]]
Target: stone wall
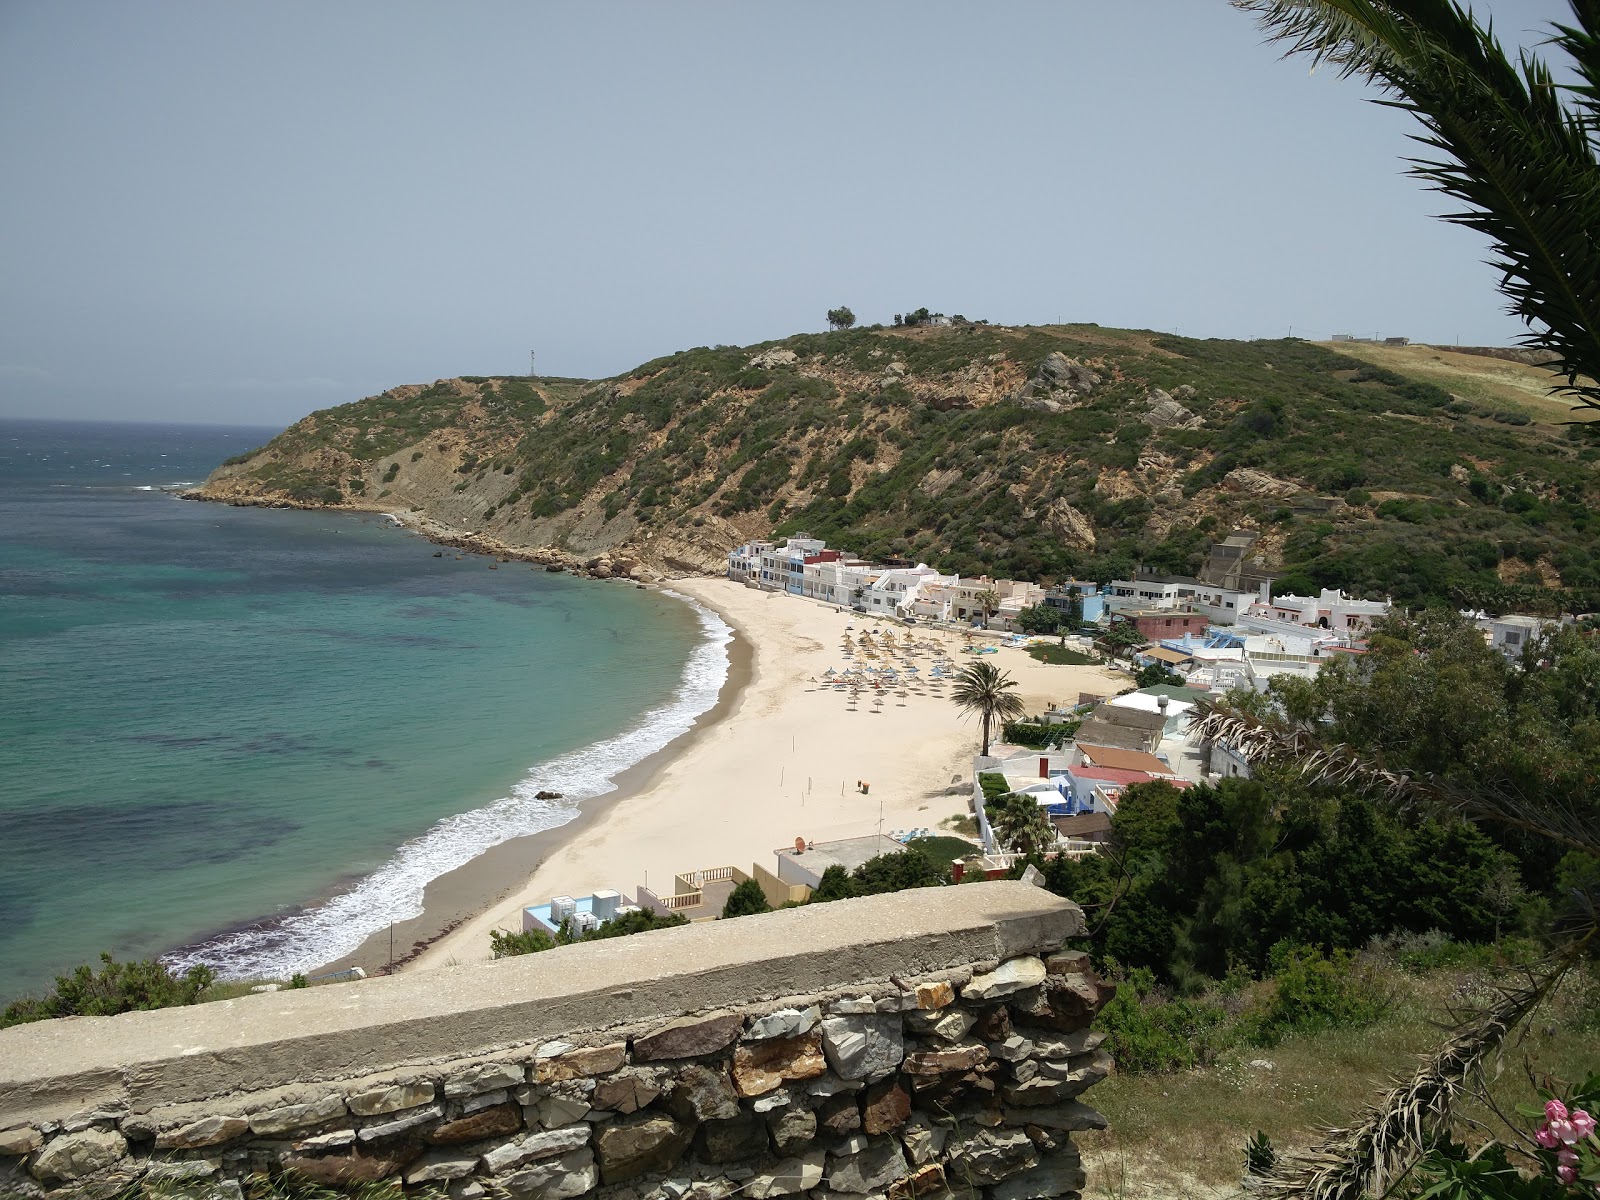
[[936, 1048]]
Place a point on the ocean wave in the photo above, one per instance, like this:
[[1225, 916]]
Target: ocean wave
[[277, 948]]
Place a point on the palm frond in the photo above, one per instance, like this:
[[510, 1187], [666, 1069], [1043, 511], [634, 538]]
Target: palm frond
[[1368, 1158], [1258, 740], [1522, 164], [1582, 44]]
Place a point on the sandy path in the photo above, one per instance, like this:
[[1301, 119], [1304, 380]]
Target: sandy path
[[783, 763]]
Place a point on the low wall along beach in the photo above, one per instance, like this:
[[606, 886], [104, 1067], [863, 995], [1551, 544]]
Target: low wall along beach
[[930, 1043]]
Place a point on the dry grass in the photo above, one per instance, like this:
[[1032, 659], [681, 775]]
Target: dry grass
[[1493, 382], [1183, 1135]]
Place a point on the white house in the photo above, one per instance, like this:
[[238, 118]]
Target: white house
[[1511, 633]]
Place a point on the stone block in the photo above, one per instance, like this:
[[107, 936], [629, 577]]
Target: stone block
[[772, 1101], [210, 1131], [687, 1037], [377, 1101], [792, 1130], [361, 1165], [555, 1111], [484, 1077], [1060, 1080], [885, 1106], [831, 1085], [871, 1170], [484, 1100], [989, 1156], [1069, 1118], [863, 1047], [297, 1116], [1049, 1141], [585, 1063], [785, 1023], [923, 1140], [1067, 962], [960, 1057], [326, 1141], [839, 1115], [437, 1168], [702, 1094], [951, 1024], [496, 1121], [993, 1024], [563, 1178], [761, 1066], [549, 1144], [20, 1141], [935, 995], [75, 1155], [921, 1182], [852, 1006], [742, 1137], [626, 1092], [1053, 1176], [161, 1173], [787, 1178], [1070, 1045], [1013, 1050], [400, 1123], [630, 1148], [1012, 976]]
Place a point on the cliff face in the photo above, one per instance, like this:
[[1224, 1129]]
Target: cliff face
[[1032, 452]]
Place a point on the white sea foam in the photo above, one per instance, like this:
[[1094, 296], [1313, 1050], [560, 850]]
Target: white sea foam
[[304, 941]]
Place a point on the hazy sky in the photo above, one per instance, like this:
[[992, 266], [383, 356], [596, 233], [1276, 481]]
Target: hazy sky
[[243, 212]]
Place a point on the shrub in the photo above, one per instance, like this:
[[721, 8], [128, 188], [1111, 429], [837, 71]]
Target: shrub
[[117, 987], [1311, 992], [1032, 735], [508, 945], [394, 469], [1147, 1030], [745, 900]]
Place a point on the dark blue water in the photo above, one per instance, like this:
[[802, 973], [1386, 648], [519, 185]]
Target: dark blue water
[[210, 715]]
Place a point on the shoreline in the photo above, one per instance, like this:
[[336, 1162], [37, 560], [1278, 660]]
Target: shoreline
[[491, 878], [772, 759]]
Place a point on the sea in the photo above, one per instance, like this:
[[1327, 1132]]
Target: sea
[[250, 737]]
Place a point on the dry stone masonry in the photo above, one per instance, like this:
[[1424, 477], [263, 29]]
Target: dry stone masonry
[[961, 1080]]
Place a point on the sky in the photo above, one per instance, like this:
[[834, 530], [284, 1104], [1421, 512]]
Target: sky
[[240, 213]]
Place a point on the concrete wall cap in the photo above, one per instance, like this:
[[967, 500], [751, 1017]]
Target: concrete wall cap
[[51, 1069]]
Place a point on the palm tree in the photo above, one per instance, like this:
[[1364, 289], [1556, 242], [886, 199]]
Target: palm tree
[[989, 601], [1519, 152], [982, 689], [1514, 147], [1022, 825]]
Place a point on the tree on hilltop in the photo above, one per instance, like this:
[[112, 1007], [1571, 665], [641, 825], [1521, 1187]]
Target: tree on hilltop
[[840, 318]]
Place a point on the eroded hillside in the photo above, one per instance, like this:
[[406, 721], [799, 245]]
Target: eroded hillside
[[1032, 452]]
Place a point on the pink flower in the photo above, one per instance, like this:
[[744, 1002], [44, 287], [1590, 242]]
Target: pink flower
[[1555, 1110], [1582, 1123], [1567, 1175], [1545, 1138], [1567, 1157]]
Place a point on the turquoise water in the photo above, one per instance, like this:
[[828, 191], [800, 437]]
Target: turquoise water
[[214, 718]]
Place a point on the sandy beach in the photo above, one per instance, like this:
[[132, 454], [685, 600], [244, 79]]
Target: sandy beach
[[779, 758]]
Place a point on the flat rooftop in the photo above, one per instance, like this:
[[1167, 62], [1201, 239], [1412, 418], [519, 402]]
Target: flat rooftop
[[848, 853]]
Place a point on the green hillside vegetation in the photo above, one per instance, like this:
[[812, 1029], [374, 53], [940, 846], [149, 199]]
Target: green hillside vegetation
[[951, 446]]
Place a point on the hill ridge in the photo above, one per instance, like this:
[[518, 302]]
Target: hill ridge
[[1035, 452]]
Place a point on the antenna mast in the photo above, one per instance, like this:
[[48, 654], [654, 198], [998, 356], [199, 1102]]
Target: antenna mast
[[531, 371]]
